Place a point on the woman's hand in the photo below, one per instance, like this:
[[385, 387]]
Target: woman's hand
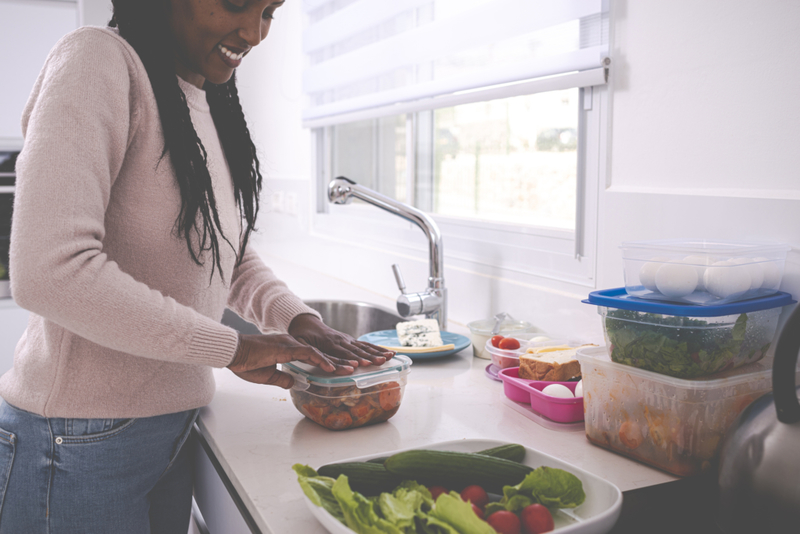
[[306, 328], [257, 357]]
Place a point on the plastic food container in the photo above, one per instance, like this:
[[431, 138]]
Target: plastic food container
[[673, 424], [558, 409], [687, 341], [504, 359], [481, 331], [702, 272], [370, 395]]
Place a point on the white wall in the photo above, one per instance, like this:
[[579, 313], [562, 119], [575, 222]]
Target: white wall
[[702, 143]]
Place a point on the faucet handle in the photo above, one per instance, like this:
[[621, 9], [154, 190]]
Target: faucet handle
[[398, 276]]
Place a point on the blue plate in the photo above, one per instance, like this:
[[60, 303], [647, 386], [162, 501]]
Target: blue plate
[[389, 338]]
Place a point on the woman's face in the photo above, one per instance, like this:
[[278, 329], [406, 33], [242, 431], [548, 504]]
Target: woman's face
[[212, 36]]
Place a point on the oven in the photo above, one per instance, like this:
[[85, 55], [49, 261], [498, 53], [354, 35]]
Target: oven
[[7, 180]]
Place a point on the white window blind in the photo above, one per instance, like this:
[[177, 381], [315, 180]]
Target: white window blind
[[373, 58]]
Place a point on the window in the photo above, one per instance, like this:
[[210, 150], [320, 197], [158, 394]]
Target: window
[[485, 113]]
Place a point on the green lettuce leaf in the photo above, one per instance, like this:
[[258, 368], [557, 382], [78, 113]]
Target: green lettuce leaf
[[450, 509], [361, 513], [318, 490], [554, 488]]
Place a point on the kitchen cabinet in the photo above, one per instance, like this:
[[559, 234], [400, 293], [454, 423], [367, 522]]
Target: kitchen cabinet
[[28, 31]]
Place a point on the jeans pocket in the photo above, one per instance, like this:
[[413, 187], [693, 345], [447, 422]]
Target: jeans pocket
[[7, 448], [89, 431]]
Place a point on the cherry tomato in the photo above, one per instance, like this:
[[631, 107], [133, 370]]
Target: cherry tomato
[[508, 343], [476, 495], [505, 522], [436, 491], [537, 519], [477, 511], [496, 340]]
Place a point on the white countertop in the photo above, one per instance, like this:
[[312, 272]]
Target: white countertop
[[257, 434]]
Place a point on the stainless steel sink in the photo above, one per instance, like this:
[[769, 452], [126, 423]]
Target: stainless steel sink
[[354, 318]]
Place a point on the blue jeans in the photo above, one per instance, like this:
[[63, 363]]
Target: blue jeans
[[94, 475]]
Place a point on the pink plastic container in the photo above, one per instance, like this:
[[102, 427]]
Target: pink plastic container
[[530, 392]]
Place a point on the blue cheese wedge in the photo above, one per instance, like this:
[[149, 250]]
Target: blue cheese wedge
[[421, 333]]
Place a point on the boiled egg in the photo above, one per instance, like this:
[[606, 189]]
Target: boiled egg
[[724, 279], [772, 274], [676, 280], [579, 388], [558, 390], [647, 272], [700, 262], [755, 269]]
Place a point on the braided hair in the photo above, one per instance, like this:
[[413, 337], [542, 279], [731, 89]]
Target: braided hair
[[144, 24]]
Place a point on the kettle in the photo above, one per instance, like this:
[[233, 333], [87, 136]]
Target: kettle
[[759, 469]]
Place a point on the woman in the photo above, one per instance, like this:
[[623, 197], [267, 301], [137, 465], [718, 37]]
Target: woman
[[137, 191]]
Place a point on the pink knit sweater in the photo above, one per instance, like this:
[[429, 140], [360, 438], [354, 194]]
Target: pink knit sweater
[[123, 322]]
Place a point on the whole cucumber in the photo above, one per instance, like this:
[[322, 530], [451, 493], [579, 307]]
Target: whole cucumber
[[364, 477], [455, 470]]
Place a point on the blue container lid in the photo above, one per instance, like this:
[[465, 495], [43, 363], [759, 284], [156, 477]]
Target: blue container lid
[[619, 298]]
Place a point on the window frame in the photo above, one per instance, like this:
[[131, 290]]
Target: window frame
[[498, 249]]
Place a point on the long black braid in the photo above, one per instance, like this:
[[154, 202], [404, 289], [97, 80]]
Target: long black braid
[[145, 25]]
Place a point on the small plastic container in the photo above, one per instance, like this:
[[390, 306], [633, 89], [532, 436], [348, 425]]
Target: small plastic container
[[673, 424], [561, 410], [481, 331], [370, 395], [687, 341], [504, 359], [702, 272]]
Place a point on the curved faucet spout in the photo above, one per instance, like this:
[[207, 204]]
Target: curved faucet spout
[[342, 190]]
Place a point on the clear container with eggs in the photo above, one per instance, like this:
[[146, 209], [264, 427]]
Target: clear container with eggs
[[702, 272], [687, 341], [673, 424]]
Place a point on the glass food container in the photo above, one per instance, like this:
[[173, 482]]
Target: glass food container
[[370, 395], [687, 341], [481, 332], [702, 272], [670, 423]]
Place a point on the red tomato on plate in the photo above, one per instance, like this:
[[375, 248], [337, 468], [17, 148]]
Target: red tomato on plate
[[477, 511], [496, 340], [505, 522], [436, 491], [476, 495], [508, 343], [537, 519]]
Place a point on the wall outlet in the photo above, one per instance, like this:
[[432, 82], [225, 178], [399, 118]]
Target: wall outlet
[[290, 203], [277, 202]]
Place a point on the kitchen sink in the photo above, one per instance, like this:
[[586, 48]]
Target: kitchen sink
[[354, 318]]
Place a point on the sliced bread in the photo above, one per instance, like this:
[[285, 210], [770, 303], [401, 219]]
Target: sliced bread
[[553, 364]]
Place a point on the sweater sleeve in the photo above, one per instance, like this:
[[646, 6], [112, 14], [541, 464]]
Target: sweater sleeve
[[258, 296], [77, 126]]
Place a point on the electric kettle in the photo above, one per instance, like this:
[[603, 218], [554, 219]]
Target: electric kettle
[[759, 470]]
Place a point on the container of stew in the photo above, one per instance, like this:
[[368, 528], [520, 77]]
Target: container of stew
[[687, 341], [674, 424], [370, 395]]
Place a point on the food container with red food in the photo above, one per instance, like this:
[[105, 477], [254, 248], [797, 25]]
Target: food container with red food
[[370, 395], [481, 332], [702, 272], [561, 410], [504, 359], [671, 423]]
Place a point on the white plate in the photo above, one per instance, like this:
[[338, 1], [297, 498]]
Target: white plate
[[596, 515]]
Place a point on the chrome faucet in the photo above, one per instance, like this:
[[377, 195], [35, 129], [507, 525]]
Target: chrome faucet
[[433, 301]]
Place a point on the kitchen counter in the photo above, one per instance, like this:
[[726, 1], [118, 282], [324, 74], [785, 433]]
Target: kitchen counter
[[255, 434]]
